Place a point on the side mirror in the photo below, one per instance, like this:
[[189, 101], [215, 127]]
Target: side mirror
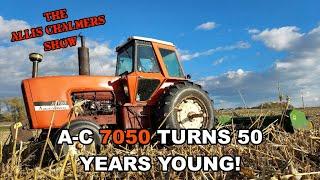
[[188, 76]]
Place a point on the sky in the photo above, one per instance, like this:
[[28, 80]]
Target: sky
[[230, 47]]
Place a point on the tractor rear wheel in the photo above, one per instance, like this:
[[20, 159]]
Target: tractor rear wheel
[[186, 105], [77, 148]]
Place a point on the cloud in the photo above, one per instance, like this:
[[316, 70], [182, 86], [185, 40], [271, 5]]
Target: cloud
[[7, 26], [206, 26], [185, 55], [15, 65], [218, 61], [278, 38], [253, 31], [236, 74], [297, 73]]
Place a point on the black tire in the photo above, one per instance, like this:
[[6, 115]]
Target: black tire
[[179, 92], [74, 128]]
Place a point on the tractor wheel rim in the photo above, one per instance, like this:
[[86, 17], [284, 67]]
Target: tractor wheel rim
[[191, 113]]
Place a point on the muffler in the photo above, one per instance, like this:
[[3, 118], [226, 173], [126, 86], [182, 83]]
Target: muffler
[[83, 57]]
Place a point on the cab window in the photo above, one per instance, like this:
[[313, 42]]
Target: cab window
[[125, 61], [147, 61], [171, 61]]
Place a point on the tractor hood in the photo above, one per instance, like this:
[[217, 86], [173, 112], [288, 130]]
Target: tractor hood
[[43, 95]]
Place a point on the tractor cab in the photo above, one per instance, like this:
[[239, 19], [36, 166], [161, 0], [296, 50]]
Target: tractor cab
[[146, 66]]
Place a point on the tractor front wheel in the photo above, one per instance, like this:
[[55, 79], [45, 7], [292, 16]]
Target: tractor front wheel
[[77, 148]]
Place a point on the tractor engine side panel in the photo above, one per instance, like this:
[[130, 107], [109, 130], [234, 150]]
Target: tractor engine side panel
[[52, 99]]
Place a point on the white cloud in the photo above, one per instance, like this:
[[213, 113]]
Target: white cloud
[[279, 38], [236, 74], [297, 72], [7, 26], [206, 26], [218, 61], [15, 65], [253, 31], [238, 45], [185, 55]]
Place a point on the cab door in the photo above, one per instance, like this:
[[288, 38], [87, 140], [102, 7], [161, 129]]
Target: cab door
[[148, 72], [143, 83]]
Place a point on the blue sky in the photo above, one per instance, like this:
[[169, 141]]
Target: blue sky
[[180, 22]]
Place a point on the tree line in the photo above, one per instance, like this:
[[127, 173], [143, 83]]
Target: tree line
[[12, 110]]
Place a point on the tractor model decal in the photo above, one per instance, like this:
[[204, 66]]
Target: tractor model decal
[[51, 105]]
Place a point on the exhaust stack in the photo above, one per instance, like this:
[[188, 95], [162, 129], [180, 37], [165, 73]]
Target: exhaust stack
[[35, 58], [83, 57]]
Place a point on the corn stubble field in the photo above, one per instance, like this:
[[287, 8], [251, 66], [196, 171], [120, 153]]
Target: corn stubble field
[[280, 156]]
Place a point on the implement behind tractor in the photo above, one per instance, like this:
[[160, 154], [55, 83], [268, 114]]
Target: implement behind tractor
[[289, 120]]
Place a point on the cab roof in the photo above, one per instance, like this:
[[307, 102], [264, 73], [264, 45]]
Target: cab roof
[[145, 39]]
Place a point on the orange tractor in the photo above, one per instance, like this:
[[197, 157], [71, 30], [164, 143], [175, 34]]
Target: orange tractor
[[149, 89]]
